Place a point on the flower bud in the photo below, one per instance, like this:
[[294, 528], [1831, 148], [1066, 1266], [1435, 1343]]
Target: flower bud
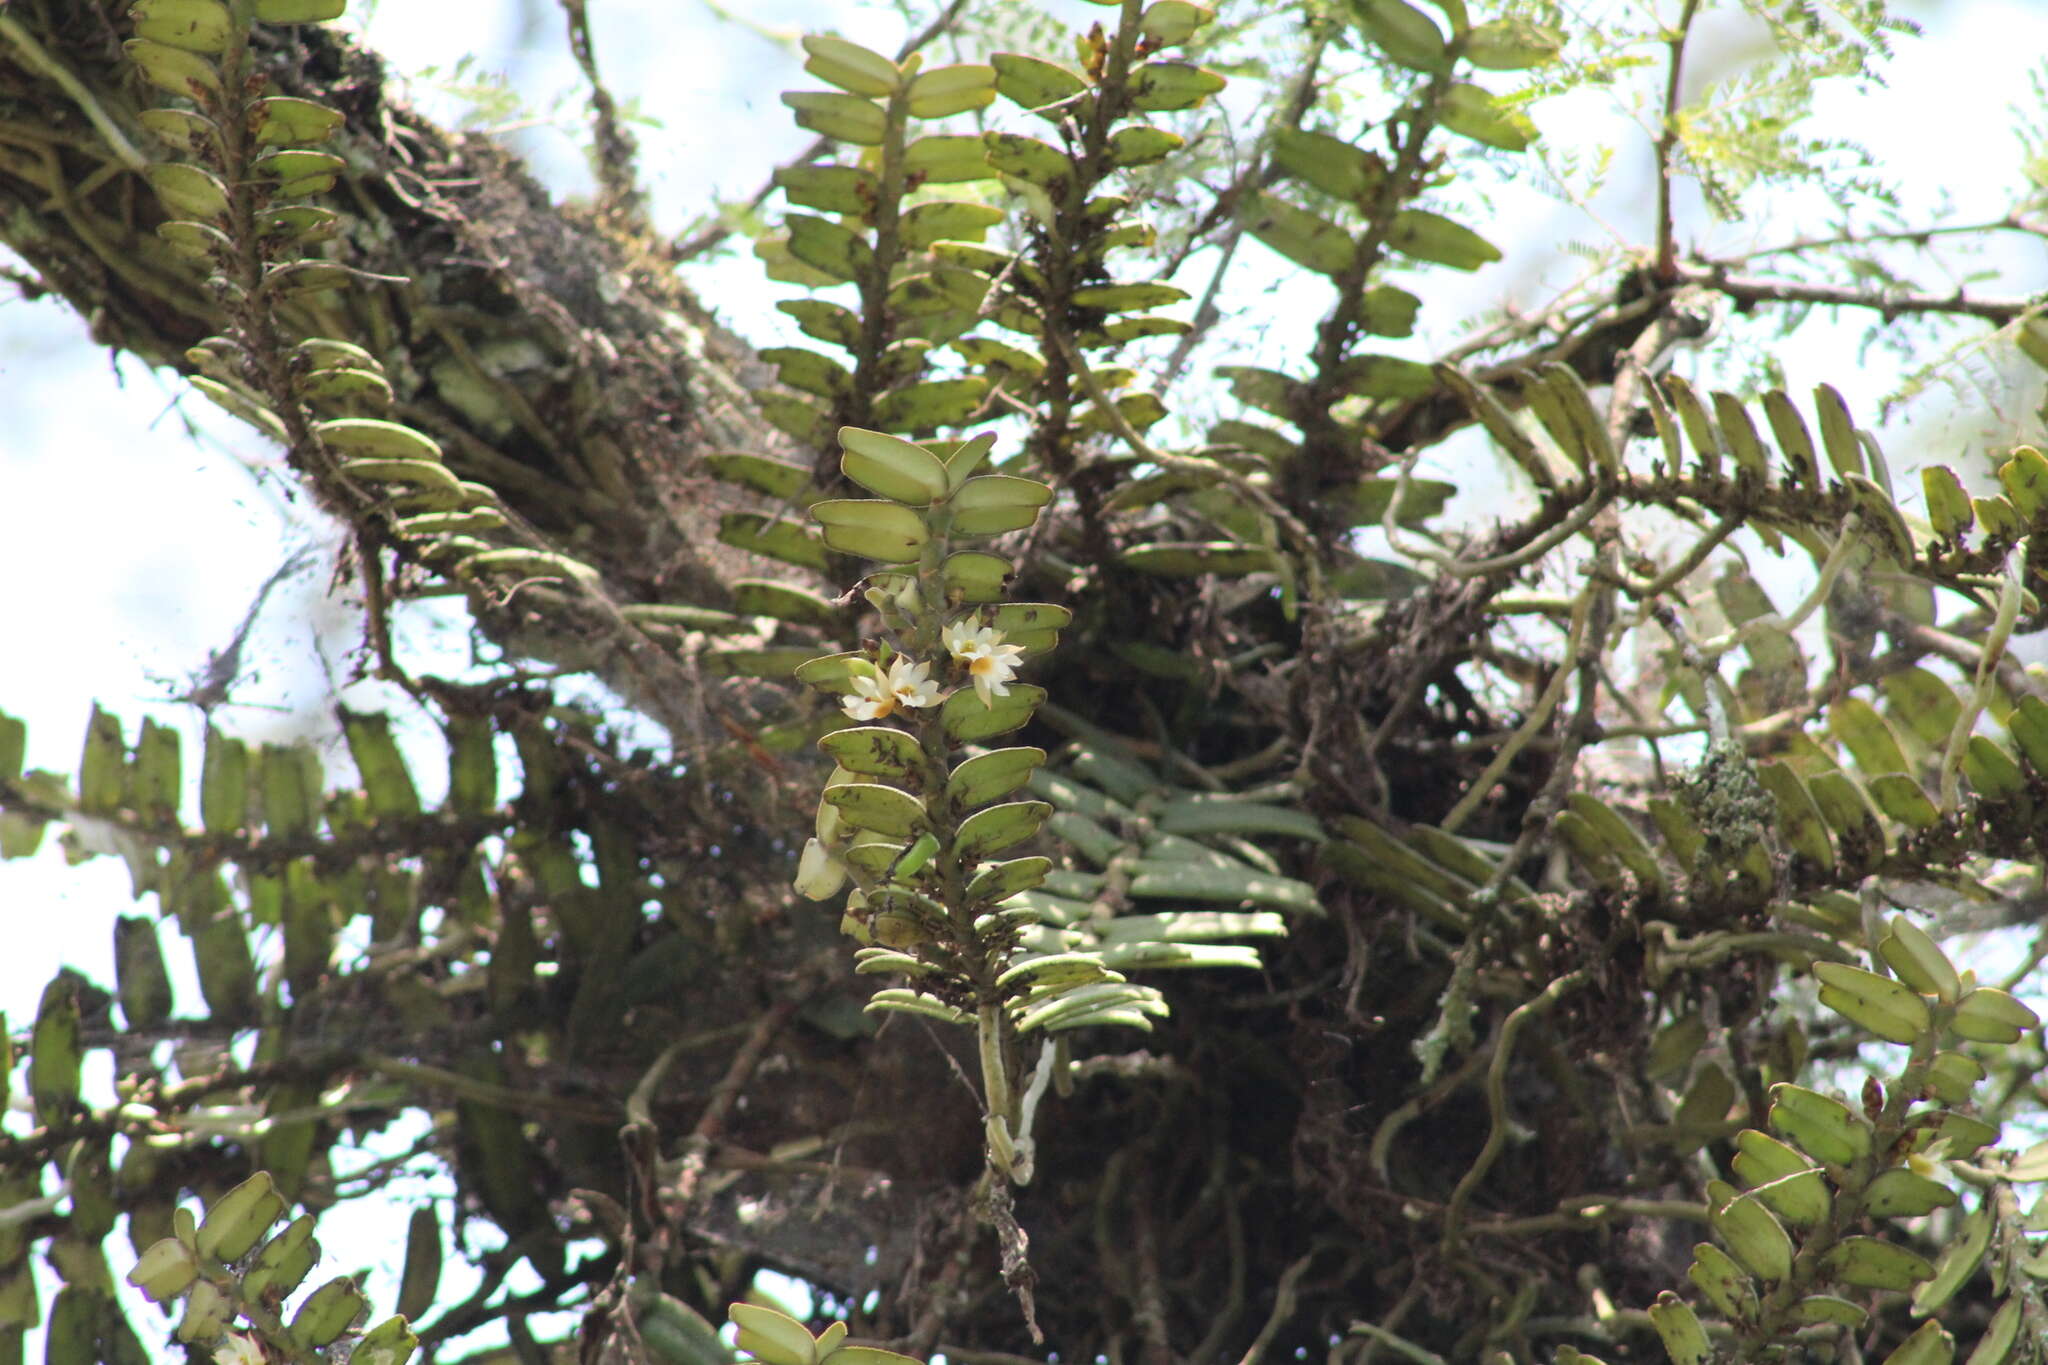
[[165, 1271], [819, 875]]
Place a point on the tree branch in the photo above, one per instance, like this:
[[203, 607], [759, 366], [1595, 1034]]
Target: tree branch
[[1749, 290]]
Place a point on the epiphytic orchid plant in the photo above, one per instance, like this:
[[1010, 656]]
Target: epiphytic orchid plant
[[915, 813]]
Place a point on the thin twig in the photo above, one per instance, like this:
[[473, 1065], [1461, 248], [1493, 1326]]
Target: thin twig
[[1496, 1097], [726, 1094], [1805, 246], [1667, 142], [1664, 582], [1285, 1295], [1752, 289], [1539, 716], [615, 149], [1399, 1344], [1300, 94], [488, 1093], [1581, 516], [1303, 542], [1984, 686], [1757, 627]]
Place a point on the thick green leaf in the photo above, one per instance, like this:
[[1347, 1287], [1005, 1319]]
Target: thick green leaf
[[1949, 509], [1268, 390], [186, 191], [829, 189], [1027, 158], [945, 159], [974, 577], [2025, 479], [1387, 311], [286, 121], [1192, 560], [1800, 825], [1990, 1015], [1998, 519], [1358, 579], [988, 832], [1160, 86], [1886, 1007], [1738, 429], [999, 881], [875, 806], [1753, 1234], [1143, 145], [871, 528], [789, 541], [220, 947], [1170, 22], [1512, 44], [1828, 1310], [891, 467], [182, 73], [990, 777], [851, 67], [1859, 837], [934, 403], [193, 25], [1386, 376], [185, 132], [1407, 35], [827, 246], [1220, 813], [784, 602], [1922, 705], [1432, 237], [1825, 1128], [994, 504], [1794, 440], [379, 764], [773, 478], [968, 721], [778, 662], [1903, 1193], [1179, 879], [1037, 85], [879, 751], [1679, 1328], [849, 118], [1302, 237], [1128, 297], [1900, 797], [55, 1053], [1857, 727], [1332, 165], [946, 220], [1726, 1285], [1958, 1263], [1619, 838], [1472, 111], [1700, 429], [299, 12], [823, 321]]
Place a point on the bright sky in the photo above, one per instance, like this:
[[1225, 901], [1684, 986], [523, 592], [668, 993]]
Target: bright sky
[[134, 549]]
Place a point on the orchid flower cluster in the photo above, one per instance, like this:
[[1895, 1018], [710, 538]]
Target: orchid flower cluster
[[979, 651], [915, 812]]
